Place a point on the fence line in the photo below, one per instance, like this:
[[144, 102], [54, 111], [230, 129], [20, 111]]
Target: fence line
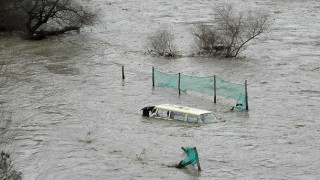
[[211, 85]]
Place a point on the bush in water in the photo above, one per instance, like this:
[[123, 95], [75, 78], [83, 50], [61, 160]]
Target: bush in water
[[232, 31], [161, 43]]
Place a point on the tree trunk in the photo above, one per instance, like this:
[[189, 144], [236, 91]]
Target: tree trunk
[[28, 26], [43, 34]]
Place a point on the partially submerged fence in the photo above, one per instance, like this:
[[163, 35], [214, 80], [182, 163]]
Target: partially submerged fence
[[211, 85]]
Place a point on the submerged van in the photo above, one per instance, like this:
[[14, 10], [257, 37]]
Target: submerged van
[[180, 113]]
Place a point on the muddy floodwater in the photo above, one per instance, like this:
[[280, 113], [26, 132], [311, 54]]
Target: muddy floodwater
[[74, 118]]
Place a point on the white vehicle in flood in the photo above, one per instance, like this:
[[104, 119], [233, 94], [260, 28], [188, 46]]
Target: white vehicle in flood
[[180, 113]]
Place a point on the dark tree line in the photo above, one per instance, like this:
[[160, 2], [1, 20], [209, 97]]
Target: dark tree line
[[41, 18], [10, 19]]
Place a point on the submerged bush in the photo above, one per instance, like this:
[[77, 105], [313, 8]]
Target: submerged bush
[[161, 43], [231, 32], [209, 41]]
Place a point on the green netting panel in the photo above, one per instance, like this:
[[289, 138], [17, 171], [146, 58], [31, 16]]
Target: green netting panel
[[242, 100], [203, 85], [232, 91], [192, 157], [197, 84], [165, 80]]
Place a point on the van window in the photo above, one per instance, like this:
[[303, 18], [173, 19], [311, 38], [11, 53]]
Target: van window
[[208, 117], [177, 116], [192, 118], [162, 113]]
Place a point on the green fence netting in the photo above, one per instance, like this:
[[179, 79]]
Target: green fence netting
[[162, 79], [232, 91], [203, 85], [197, 84]]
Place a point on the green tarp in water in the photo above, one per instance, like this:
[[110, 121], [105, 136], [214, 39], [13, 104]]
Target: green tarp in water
[[192, 156]]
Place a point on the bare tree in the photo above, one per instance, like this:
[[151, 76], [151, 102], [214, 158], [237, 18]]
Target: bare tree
[[51, 17], [208, 40], [232, 32], [161, 43]]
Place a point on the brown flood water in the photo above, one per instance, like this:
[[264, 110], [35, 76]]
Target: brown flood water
[[74, 118]]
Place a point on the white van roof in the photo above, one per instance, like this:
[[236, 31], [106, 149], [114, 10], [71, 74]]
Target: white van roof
[[182, 109]]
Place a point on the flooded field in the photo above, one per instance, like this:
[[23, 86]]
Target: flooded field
[[74, 118]]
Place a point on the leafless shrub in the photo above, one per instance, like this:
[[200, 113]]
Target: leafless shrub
[[161, 43], [233, 30], [208, 40]]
